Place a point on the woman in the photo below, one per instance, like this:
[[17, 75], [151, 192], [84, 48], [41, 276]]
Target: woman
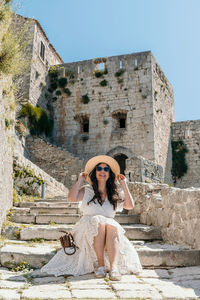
[[100, 239]]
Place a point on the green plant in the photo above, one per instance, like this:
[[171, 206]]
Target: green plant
[[7, 124], [119, 73], [105, 121], [53, 73], [103, 82], [38, 120], [85, 99], [62, 82], [98, 73], [14, 53], [67, 91], [54, 99], [58, 93], [179, 165], [22, 266], [53, 86]]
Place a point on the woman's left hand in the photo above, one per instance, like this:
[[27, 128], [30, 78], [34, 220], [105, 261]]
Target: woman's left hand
[[121, 178]]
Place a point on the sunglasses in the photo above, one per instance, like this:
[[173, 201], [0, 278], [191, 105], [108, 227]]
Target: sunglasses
[[99, 169]]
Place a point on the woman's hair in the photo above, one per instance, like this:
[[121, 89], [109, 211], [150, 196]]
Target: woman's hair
[[111, 188]]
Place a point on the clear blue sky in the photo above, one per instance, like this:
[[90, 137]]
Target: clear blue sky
[[85, 29]]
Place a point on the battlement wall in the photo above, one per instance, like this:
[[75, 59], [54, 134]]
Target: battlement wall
[[189, 133]]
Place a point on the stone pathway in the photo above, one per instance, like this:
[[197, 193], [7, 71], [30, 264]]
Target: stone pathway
[[178, 283]]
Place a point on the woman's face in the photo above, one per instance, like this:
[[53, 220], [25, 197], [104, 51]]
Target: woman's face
[[102, 172]]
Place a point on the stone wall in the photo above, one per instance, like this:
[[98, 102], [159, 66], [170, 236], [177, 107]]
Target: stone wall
[[189, 133], [163, 116], [28, 176], [176, 211], [6, 148], [55, 161], [33, 81], [139, 169]]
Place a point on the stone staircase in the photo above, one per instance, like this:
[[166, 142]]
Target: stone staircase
[[55, 161], [32, 235]]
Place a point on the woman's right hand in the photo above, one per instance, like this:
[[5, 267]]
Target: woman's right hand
[[82, 177]]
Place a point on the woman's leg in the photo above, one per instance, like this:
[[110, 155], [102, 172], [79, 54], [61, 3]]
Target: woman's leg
[[112, 245], [99, 244]]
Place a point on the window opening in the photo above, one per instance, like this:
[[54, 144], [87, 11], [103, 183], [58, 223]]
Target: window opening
[[120, 64], [85, 125], [136, 63], [42, 50], [101, 66], [122, 123]]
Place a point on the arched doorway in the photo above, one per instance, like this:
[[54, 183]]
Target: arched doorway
[[121, 159]]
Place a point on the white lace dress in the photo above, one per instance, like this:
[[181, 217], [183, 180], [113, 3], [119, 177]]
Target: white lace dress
[[85, 260]]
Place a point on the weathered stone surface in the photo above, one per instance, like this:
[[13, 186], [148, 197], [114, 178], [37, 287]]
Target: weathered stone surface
[[143, 291], [20, 218], [47, 292], [43, 231], [54, 210], [127, 219], [137, 232], [34, 256], [7, 284], [52, 187], [142, 232], [174, 210], [49, 279], [59, 219], [167, 255], [7, 294], [93, 294]]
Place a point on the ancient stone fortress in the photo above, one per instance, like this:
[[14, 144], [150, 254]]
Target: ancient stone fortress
[[121, 106]]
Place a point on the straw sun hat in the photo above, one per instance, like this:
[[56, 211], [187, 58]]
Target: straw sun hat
[[111, 162]]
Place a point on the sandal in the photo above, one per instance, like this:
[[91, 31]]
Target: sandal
[[114, 274], [100, 272]]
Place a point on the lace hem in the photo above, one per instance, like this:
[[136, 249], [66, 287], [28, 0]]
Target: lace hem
[[85, 260]]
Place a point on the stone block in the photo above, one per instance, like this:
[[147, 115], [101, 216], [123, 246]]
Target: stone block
[[59, 219], [47, 292], [26, 219]]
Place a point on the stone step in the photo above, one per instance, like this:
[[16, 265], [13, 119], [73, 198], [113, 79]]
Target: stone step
[[66, 219], [47, 204], [46, 232], [151, 255], [53, 210]]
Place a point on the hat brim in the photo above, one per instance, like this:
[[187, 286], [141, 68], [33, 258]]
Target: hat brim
[[110, 161]]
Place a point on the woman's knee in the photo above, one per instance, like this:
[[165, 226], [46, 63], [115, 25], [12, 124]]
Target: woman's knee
[[111, 230], [101, 228]]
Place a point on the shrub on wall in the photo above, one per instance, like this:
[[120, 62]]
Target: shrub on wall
[[179, 165], [67, 91], [38, 120], [119, 73], [98, 73], [85, 99], [103, 82], [62, 82]]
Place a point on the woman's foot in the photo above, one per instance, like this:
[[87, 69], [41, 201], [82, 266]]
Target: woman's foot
[[114, 274], [100, 272]]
